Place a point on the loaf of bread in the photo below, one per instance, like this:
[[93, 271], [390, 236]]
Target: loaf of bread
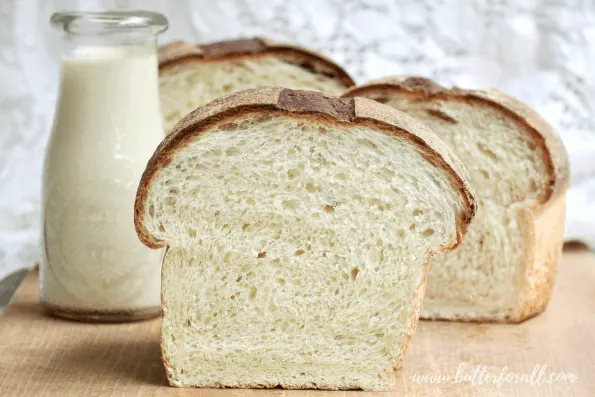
[[190, 76], [298, 230], [505, 268]]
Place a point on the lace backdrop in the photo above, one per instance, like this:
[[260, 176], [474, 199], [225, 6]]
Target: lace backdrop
[[542, 51]]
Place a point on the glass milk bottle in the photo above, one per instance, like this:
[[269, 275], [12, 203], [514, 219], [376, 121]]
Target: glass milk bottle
[[106, 127]]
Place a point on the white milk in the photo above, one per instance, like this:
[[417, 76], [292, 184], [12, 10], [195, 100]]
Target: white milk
[[107, 125]]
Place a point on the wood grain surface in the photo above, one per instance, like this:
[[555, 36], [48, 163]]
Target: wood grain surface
[[44, 356]]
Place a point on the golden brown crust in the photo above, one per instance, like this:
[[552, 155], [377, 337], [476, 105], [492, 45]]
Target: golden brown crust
[[545, 231], [305, 104], [543, 223], [179, 52]]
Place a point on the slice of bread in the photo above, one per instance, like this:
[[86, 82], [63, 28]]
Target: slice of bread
[[505, 269], [190, 76], [299, 229]]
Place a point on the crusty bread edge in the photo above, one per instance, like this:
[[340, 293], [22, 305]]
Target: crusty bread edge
[[545, 231], [180, 52], [305, 104], [543, 133], [309, 104], [545, 246]]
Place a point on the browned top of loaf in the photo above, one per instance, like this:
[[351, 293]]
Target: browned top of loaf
[[558, 177], [180, 52], [306, 105]]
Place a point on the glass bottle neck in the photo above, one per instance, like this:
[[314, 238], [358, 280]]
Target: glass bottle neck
[[110, 28]]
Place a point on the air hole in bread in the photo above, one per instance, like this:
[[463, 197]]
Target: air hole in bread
[[299, 252], [208, 154], [252, 294], [292, 173], [290, 204], [387, 173], [369, 145], [329, 208], [378, 203], [151, 210], [232, 151], [354, 273], [485, 174], [428, 232], [487, 151], [417, 212]]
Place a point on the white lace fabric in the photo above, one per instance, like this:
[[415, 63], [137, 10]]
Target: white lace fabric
[[541, 51]]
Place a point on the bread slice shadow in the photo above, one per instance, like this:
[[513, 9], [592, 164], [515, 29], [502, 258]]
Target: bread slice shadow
[[123, 361]]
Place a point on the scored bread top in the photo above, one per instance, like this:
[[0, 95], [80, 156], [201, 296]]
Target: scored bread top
[[179, 52], [558, 178], [306, 105]]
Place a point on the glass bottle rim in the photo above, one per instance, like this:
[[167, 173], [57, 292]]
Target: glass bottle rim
[[105, 23]]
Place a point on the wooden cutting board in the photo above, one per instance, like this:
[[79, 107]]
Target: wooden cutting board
[[44, 356]]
